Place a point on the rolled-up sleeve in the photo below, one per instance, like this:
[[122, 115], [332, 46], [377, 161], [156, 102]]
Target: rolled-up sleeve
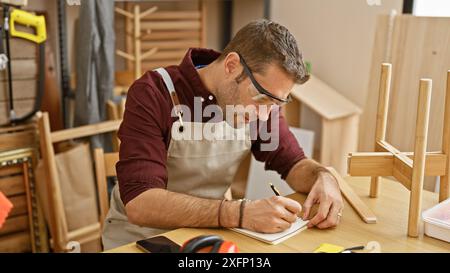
[[143, 152], [287, 152]]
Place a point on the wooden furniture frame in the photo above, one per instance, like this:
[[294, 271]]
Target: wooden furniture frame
[[138, 56], [105, 166], [17, 180], [61, 236], [161, 34], [408, 168]]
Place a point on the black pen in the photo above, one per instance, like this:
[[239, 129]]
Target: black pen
[[277, 193]]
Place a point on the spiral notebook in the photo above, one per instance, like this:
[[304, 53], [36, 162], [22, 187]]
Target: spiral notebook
[[275, 238]]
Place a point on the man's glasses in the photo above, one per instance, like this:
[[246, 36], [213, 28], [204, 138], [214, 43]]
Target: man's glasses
[[263, 92]]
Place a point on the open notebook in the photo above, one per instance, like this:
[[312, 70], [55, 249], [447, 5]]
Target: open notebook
[[275, 238]]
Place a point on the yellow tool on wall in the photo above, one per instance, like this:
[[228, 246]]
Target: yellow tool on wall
[[15, 20], [29, 20]]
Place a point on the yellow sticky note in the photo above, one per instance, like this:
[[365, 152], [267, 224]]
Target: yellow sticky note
[[329, 248]]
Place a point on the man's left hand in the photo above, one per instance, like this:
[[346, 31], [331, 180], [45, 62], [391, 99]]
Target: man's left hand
[[326, 193]]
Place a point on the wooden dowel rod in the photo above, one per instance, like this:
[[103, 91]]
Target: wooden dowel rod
[[420, 148], [381, 119], [124, 12], [148, 12], [148, 53], [125, 55], [137, 42], [86, 130]]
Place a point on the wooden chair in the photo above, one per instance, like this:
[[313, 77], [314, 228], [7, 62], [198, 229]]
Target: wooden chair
[[60, 234], [105, 166]]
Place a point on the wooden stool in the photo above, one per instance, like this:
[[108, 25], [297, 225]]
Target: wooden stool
[[408, 168]]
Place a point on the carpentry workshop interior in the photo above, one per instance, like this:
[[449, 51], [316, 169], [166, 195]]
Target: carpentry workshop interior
[[108, 141]]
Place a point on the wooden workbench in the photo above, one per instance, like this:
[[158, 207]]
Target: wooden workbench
[[391, 209]]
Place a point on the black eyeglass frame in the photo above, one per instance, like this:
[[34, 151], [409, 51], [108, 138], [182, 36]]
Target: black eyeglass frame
[[258, 87]]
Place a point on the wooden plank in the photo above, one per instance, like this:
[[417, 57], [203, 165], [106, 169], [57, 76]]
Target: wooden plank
[[173, 15], [10, 170], [57, 216], [384, 146], [381, 164], [113, 114], [170, 35], [353, 199], [203, 21], [17, 128], [23, 49], [15, 224], [370, 164], [128, 38], [177, 45], [137, 43], [15, 243], [402, 172], [178, 25], [17, 140], [29, 206], [19, 205], [167, 54], [23, 69], [87, 130], [101, 179], [12, 185], [324, 100], [21, 107], [22, 89]]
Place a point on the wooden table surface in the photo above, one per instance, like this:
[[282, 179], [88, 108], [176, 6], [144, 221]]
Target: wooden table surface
[[391, 209]]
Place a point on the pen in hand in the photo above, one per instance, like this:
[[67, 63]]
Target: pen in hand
[[277, 193]]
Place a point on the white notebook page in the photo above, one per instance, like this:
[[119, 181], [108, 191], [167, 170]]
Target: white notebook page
[[275, 238]]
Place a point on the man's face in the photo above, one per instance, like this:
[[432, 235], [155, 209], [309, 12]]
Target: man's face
[[249, 104]]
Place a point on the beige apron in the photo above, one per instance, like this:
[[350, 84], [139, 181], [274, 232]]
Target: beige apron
[[203, 168]]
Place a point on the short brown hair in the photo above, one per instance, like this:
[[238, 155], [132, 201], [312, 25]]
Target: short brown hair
[[262, 42]]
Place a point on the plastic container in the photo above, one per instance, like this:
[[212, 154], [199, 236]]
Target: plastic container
[[437, 221]]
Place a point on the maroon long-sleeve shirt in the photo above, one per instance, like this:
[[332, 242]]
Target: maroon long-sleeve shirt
[[145, 130]]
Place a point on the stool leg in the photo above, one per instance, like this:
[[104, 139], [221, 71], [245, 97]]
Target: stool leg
[[420, 150], [381, 122]]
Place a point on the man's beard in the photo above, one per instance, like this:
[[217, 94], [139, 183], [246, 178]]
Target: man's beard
[[228, 95]]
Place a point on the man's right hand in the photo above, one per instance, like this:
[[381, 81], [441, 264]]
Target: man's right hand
[[271, 215]]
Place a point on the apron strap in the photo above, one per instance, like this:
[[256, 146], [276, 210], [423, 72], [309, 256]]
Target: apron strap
[[169, 85], [172, 94]]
